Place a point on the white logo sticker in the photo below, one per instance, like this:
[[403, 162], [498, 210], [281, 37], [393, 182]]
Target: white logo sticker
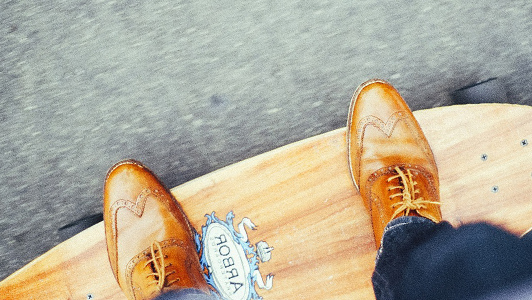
[[232, 261]]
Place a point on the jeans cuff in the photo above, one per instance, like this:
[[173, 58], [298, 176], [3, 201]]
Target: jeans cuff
[[396, 227]]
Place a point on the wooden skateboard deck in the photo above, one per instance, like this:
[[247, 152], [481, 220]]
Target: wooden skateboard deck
[[305, 206]]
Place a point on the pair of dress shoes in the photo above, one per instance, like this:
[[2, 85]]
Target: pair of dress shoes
[[149, 238]]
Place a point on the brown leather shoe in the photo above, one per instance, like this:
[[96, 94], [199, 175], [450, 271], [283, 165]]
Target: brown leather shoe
[[390, 160], [149, 238]]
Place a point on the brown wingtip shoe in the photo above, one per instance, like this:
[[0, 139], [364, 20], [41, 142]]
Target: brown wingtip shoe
[[390, 160], [149, 239]]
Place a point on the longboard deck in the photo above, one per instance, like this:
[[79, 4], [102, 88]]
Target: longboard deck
[[305, 206]]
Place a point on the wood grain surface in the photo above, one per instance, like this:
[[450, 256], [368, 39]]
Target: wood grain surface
[[306, 207]]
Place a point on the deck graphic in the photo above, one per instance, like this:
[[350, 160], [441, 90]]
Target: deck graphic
[[230, 258]]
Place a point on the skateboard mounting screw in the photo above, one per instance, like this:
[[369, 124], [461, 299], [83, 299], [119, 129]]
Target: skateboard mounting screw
[[484, 157], [89, 296], [495, 189], [524, 142]]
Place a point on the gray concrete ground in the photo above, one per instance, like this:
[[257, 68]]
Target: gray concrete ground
[[188, 87]]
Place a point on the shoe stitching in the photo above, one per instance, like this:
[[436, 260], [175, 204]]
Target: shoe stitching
[[136, 208], [350, 121], [388, 128]]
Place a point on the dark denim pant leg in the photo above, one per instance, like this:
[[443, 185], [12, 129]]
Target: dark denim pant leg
[[187, 294], [419, 259], [400, 236], [467, 262]]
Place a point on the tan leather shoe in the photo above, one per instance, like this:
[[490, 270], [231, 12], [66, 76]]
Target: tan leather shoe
[[390, 160], [149, 239]]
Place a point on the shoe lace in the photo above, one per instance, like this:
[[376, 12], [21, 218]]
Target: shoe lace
[[408, 192], [159, 266]]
